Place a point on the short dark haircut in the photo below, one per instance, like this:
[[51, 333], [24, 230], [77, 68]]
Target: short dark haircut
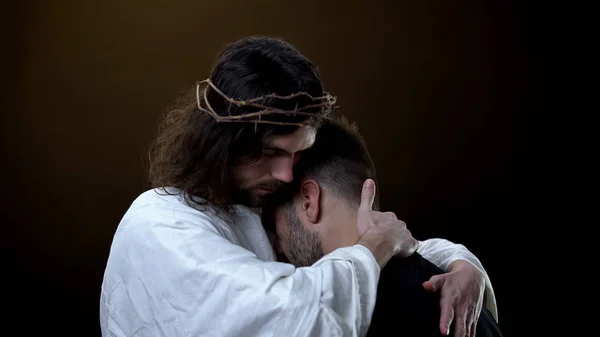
[[194, 153], [339, 161]]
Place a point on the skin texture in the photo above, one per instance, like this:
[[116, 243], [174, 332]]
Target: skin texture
[[264, 176]]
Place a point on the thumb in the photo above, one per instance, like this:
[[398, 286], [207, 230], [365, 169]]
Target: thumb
[[435, 283], [368, 196]]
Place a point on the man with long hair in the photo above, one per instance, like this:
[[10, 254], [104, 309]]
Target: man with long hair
[[191, 258], [316, 214]]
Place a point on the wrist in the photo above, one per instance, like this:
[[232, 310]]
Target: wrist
[[458, 264], [381, 248]]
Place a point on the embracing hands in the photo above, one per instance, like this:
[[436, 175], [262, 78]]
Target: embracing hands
[[461, 299], [382, 233], [461, 288]]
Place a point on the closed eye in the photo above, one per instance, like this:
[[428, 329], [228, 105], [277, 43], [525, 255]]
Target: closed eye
[[275, 152]]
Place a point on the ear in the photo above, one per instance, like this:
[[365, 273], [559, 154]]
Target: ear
[[310, 200]]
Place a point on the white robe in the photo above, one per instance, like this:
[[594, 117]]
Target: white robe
[[174, 270]]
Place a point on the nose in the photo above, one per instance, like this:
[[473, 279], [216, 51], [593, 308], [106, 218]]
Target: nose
[[283, 169]]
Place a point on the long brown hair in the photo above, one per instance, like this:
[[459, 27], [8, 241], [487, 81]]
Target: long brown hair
[[194, 153]]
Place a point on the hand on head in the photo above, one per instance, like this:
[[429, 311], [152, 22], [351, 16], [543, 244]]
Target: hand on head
[[382, 233]]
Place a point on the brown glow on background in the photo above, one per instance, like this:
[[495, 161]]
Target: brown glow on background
[[437, 89]]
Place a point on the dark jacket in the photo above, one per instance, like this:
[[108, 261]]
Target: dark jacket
[[405, 309]]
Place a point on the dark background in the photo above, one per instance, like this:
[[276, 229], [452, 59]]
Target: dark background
[[443, 92]]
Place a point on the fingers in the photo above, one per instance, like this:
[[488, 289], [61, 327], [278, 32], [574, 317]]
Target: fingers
[[468, 324], [429, 286], [391, 215], [460, 326], [446, 317], [368, 195], [434, 284], [474, 318]]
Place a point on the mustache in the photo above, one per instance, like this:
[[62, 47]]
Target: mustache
[[271, 185]]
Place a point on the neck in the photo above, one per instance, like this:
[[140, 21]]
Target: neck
[[340, 229]]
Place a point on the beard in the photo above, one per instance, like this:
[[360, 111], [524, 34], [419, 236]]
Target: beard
[[249, 195], [304, 246]]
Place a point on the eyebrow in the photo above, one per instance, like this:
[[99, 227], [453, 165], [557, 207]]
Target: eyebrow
[[274, 148]]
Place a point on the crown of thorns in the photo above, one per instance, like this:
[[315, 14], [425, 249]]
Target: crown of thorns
[[326, 103]]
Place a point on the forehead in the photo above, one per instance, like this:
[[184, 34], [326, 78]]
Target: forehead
[[299, 140]]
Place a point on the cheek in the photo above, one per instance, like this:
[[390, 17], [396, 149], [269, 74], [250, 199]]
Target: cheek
[[259, 169], [249, 174], [282, 231]]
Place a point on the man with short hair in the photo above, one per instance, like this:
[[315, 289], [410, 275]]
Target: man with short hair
[[317, 214], [191, 258]]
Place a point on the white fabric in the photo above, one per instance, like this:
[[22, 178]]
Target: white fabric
[[174, 270]]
